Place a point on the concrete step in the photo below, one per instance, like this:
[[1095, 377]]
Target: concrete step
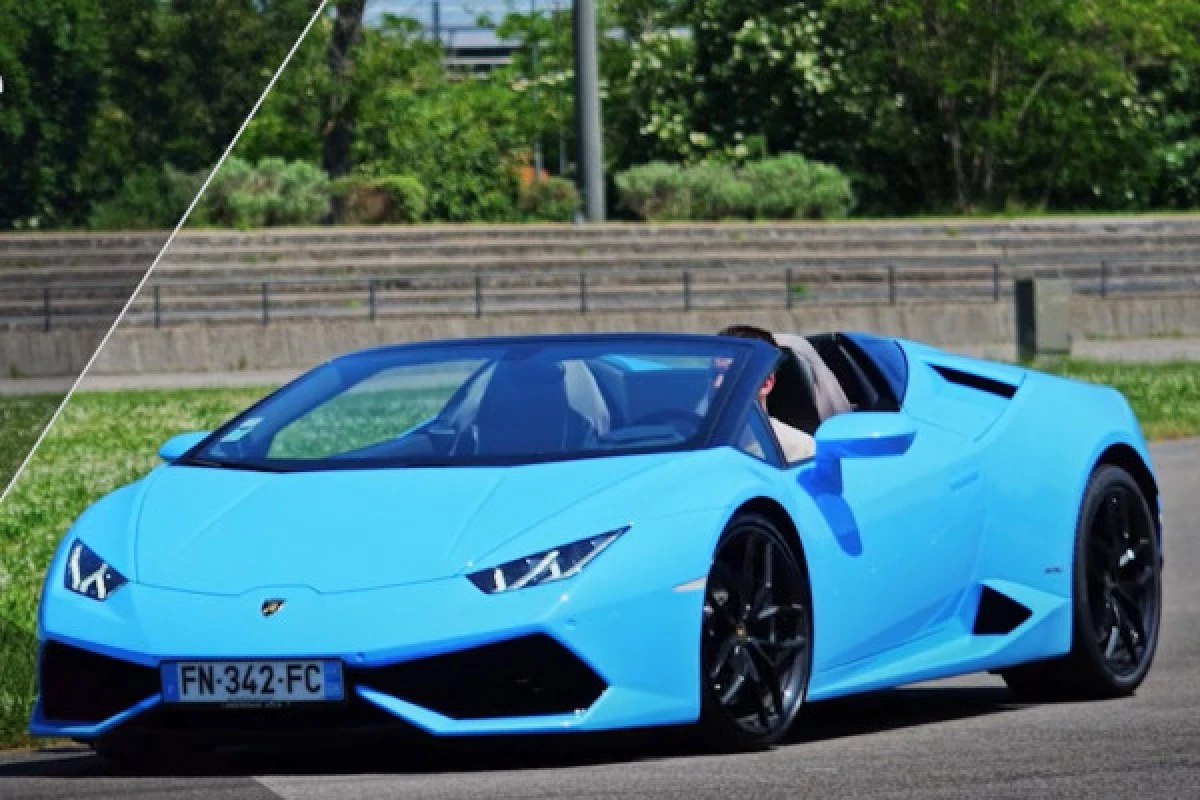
[[388, 267], [341, 251]]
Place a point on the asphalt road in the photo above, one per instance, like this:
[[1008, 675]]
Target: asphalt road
[[947, 739]]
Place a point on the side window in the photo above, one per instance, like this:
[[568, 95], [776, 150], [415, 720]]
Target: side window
[[756, 440]]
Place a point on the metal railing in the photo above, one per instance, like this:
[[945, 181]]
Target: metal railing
[[480, 293]]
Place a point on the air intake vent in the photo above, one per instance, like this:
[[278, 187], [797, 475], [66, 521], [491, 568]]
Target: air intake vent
[[998, 614], [80, 686], [973, 381], [526, 677]]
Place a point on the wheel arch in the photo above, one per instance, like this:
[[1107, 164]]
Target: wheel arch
[[1127, 458], [780, 518]]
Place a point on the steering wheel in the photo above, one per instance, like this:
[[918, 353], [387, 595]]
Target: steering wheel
[[666, 416]]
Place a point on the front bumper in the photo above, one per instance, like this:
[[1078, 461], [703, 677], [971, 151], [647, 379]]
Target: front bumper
[[440, 656]]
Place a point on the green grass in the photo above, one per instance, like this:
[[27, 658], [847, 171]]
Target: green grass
[[21, 421], [106, 439]]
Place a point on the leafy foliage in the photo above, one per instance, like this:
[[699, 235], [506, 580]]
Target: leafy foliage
[[387, 199], [150, 199], [97, 92], [786, 187], [548, 199], [926, 105], [273, 192], [929, 105]]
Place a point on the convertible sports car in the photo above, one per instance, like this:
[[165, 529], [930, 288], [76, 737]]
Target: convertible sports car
[[584, 533]]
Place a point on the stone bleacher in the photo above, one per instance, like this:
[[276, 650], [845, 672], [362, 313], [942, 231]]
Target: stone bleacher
[[218, 276]]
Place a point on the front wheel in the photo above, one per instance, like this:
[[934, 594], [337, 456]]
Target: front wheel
[[1116, 599], [756, 650]]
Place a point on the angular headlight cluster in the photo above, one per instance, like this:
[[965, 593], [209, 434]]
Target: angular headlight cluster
[[546, 567], [89, 575]]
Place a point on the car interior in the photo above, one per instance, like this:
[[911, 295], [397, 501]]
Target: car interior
[[793, 401], [528, 406], [583, 404]]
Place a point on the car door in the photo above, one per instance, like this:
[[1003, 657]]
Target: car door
[[896, 536], [901, 524]]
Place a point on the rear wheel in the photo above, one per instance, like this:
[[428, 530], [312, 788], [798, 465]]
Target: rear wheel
[[1116, 603], [756, 651]]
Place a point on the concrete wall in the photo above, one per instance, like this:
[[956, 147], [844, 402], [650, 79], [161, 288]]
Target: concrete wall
[[297, 345]]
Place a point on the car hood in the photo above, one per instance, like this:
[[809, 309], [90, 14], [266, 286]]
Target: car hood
[[230, 531]]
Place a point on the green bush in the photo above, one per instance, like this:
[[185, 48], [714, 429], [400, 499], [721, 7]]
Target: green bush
[[150, 199], [275, 192], [549, 199], [792, 187], [784, 187], [390, 199], [717, 191], [655, 191]]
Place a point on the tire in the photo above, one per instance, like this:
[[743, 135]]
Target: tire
[[1116, 599], [756, 638]]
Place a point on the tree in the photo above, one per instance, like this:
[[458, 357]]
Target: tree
[[337, 126], [98, 92], [52, 57], [983, 104]]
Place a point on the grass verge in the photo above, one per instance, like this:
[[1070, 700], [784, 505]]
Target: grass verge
[[106, 439], [22, 418]]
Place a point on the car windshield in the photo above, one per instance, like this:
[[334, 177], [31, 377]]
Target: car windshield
[[484, 403]]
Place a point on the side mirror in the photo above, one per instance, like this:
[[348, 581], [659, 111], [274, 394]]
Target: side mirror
[[865, 434], [174, 448]]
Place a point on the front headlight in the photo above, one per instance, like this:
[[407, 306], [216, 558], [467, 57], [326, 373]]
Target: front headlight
[[545, 567], [90, 575]]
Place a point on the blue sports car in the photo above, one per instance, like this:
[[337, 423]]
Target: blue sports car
[[595, 532]]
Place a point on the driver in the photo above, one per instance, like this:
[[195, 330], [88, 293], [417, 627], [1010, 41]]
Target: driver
[[797, 445]]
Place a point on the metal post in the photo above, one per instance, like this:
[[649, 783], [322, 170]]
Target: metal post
[[478, 295], [891, 284], [787, 286], [587, 99], [46, 308], [583, 298], [996, 282], [1104, 279], [157, 306], [437, 21], [687, 290], [371, 303], [266, 312]]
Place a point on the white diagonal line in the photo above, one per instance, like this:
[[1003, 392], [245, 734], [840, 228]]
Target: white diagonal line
[[138, 289]]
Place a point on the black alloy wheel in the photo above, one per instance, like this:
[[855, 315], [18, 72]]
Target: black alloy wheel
[[756, 651], [1117, 598]]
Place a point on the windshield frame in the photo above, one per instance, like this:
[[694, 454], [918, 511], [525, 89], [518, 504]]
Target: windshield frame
[[756, 360]]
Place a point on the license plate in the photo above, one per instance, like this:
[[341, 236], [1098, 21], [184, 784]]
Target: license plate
[[258, 682]]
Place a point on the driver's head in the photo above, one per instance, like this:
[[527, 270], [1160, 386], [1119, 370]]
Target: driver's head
[[751, 332]]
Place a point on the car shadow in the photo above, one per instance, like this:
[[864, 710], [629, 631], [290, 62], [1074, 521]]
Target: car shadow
[[862, 715]]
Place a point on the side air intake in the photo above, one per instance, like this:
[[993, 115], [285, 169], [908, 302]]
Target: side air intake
[[998, 614], [973, 381]]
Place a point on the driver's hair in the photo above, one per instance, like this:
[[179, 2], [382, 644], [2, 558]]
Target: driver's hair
[[748, 332]]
